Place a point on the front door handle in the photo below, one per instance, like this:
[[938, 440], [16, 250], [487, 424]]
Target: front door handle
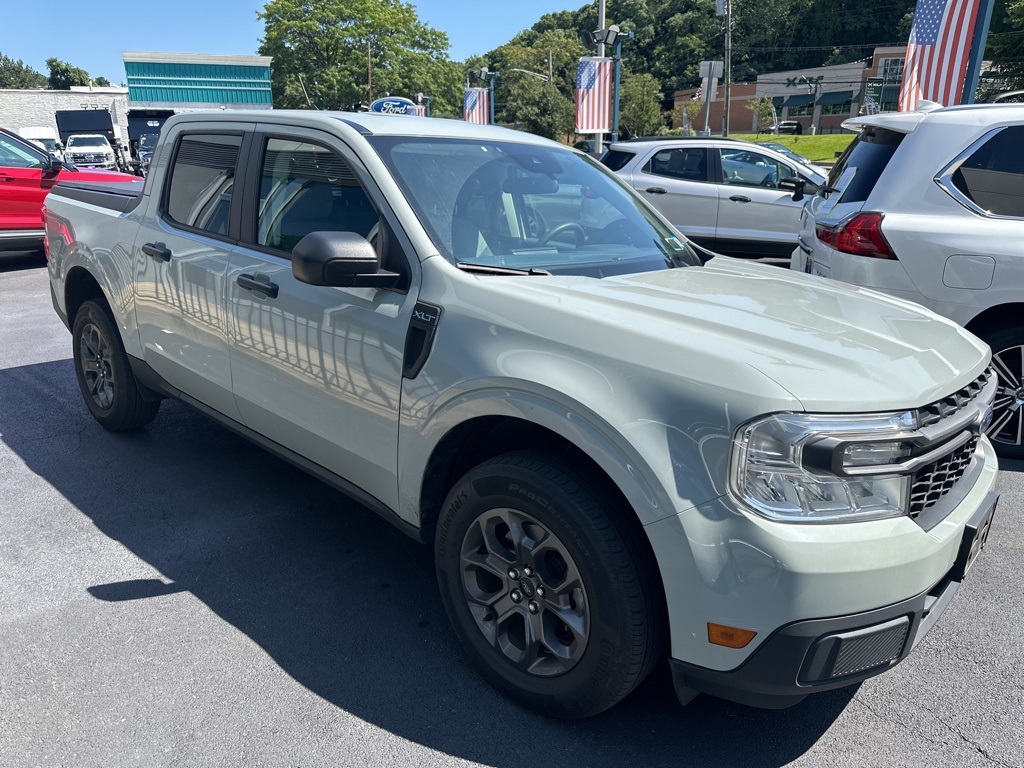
[[740, 199], [158, 251], [5, 177], [250, 283], [656, 190]]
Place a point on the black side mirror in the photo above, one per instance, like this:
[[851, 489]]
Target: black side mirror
[[794, 184], [54, 164], [340, 259]]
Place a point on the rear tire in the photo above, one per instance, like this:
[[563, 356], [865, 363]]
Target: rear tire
[[104, 374], [551, 594]]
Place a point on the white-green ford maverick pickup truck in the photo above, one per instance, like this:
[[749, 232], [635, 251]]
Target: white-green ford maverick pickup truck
[[619, 454]]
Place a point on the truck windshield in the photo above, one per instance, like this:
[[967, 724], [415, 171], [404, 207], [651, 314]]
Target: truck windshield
[[506, 204], [87, 141]]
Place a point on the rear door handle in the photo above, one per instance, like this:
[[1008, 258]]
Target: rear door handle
[[158, 251], [250, 283], [740, 199], [656, 190], [5, 177]]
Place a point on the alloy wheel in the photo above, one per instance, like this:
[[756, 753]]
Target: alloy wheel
[[525, 592], [96, 355], [1008, 418]]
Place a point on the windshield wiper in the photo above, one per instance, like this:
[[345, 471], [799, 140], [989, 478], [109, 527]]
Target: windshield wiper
[[490, 269]]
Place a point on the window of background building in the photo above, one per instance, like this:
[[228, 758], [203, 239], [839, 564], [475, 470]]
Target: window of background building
[[891, 70], [801, 111], [836, 109]]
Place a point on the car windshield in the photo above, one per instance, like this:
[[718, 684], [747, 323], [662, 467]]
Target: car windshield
[[498, 204], [87, 141], [148, 140]]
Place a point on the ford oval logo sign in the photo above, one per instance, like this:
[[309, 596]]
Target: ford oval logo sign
[[393, 105]]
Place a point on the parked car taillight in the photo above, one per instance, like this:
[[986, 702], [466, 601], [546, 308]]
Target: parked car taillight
[[861, 236]]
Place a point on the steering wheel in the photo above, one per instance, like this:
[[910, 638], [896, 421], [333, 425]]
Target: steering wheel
[[565, 226], [769, 181]]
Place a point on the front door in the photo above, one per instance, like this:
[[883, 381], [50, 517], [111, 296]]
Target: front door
[[23, 185], [318, 369], [755, 217]]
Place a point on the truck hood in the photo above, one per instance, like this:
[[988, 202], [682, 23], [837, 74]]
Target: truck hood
[[89, 174], [832, 346]]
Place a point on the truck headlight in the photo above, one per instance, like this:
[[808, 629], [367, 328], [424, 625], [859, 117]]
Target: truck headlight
[[812, 468]]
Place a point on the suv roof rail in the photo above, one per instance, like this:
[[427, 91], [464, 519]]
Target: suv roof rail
[[677, 138]]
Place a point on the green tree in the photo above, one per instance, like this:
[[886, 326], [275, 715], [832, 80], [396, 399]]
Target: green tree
[[347, 51], [640, 98], [540, 108], [685, 116], [101, 81], [1006, 47], [14, 73], [64, 75], [762, 109]]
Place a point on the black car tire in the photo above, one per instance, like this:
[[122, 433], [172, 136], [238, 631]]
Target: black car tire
[[1007, 429], [524, 541], [104, 374]]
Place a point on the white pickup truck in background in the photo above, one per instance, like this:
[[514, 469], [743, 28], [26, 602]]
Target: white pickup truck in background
[[90, 151], [618, 453]]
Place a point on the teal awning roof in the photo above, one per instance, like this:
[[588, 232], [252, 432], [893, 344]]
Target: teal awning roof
[[836, 97], [799, 100], [777, 101]]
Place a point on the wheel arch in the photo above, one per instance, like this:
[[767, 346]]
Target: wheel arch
[[79, 287], [477, 439], [994, 318]]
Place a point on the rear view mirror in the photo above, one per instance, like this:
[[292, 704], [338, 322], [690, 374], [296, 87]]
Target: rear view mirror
[[795, 185], [530, 185]]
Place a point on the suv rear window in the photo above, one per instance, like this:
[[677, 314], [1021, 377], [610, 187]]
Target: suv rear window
[[615, 159], [869, 153]]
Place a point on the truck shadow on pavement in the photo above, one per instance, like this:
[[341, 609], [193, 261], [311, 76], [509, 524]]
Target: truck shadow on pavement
[[343, 602]]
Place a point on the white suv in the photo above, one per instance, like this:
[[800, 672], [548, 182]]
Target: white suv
[[929, 206], [732, 196]]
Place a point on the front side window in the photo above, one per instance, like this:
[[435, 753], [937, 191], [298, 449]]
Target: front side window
[[308, 188], [743, 168], [201, 181], [15, 155], [687, 163], [489, 203], [616, 159], [992, 177]]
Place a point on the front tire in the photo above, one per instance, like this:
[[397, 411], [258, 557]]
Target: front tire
[[550, 593], [1007, 428], [104, 374]]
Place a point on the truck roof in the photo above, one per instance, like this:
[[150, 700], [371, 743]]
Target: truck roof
[[368, 124], [963, 114]]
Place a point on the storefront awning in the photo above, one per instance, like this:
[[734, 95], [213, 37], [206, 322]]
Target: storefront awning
[[835, 97], [799, 100], [777, 101]]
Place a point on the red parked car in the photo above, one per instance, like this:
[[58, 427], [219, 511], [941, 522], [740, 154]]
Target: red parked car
[[26, 175]]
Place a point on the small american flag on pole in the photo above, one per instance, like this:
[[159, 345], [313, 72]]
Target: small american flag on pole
[[594, 95], [938, 52], [419, 110], [476, 106]]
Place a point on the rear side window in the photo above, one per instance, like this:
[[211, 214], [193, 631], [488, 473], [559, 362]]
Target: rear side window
[[869, 153], [688, 163], [616, 159], [992, 177], [201, 182]]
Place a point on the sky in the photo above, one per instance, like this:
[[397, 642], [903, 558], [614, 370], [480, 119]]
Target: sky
[[219, 26]]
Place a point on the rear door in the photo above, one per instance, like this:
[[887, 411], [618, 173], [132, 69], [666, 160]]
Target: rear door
[[318, 369], [755, 217], [23, 185], [182, 252], [677, 181]]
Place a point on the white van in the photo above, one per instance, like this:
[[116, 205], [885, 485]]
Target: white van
[[44, 138]]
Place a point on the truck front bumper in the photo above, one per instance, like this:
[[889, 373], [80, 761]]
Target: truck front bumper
[[820, 654]]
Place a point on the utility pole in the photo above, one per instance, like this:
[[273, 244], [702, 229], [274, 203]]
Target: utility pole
[[369, 73], [728, 63], [551, 69]]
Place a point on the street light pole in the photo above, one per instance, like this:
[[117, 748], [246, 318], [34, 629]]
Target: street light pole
[[728, 64]]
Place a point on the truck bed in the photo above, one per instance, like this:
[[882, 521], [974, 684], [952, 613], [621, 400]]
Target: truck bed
[[114, 195]]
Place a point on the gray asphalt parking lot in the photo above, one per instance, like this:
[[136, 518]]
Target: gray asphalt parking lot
[[177, 596]]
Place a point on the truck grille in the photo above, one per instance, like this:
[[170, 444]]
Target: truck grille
[[947, 406], [935, 480], [938, 478]]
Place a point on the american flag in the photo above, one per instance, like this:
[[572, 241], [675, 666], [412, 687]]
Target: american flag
[[418, 110], [476, 106], [593, 95], [938, 52], [696, 95]]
